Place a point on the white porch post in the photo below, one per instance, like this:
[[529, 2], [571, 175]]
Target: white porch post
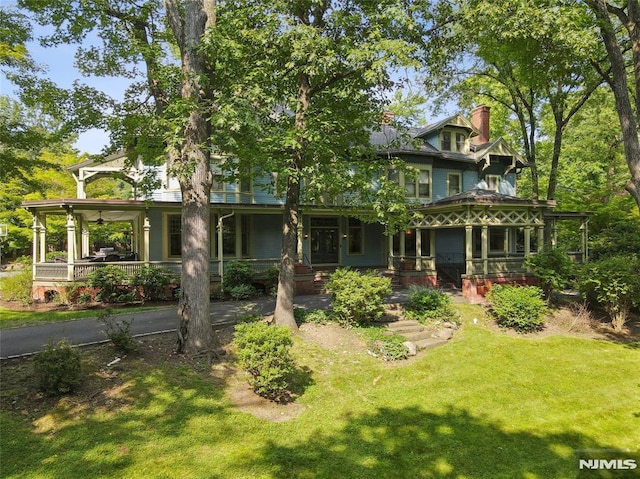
[[485, 249], [540, 238], [71, 239], [36, 249], [84, 250], [146, 227], [418, 249], [469, 248], [527, 241], [300, 248], [554, 233], [390, 255], [42, 231]]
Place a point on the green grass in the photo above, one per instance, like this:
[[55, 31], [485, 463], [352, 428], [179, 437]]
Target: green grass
[[486, 405], [11, 319]]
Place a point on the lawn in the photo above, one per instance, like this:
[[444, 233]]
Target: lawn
[[12, 318], [485, 405]]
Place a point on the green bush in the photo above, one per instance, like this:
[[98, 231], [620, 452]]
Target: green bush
[[58, 368], [271, 276], [315, 316], [242, 291], [264, 352], [151, 282], [18, 287], [118, 332], [522, 308], [109, 279], [388, 347], [357, 298], [237, 273], [613, 283], [553, 268], [430, 304]]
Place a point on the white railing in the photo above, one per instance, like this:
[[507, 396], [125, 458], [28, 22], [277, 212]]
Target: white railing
[[81, 271]]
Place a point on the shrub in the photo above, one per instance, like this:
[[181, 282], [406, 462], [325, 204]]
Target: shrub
[[18, 287], [271, 276], [315, 316], [237, 273], [553, 268], [242, 291], [388, 347], [58, 368], [613, 283], [78, 293], [357, 298], [430, 304], [118, 332], [151, 282], [519, 307], [109, 279], [263, 351]]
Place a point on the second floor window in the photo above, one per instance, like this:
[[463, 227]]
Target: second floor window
[[454, 184], [446, 141], [460, 142], [493, 182]]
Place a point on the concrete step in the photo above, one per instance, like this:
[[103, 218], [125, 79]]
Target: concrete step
[[429, 343], [417, 336], [403, 323], [404, 329]]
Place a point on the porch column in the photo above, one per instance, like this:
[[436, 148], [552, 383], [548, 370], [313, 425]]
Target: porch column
[[146, 227], [554, 233], [485, 249], [469, 248], [432, 248], [584, 239], [84, 250], [540, 238], [71, 239], [299, 246], [390, 255], [36, 249], [418, 249], [527, 241], [42, 232]]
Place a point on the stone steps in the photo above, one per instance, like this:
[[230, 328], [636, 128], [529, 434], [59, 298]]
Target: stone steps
[[418, 337]]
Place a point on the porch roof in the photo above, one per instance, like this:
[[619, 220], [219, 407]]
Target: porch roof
[[479, 196]]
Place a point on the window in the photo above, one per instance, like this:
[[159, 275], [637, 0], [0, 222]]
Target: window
[[446, 141], [454, 182], [493, 181], [355, 236], [235, 236], [394, 176], [460, 142], [424, 184], [174, 230]]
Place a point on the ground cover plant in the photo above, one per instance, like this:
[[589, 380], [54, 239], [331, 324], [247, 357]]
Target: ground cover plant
[[489, 404]]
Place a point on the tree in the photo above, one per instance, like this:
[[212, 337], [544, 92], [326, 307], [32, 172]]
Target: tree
[[543, 60], [628, 15], [322, 69], [164, 117]]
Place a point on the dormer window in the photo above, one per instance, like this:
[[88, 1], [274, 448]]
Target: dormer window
[[460, 142], [446, 141]]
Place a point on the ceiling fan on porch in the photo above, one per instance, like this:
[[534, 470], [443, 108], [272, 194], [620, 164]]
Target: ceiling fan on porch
[[99, 221]]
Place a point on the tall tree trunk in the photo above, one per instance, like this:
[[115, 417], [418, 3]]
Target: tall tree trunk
[[283, 314], [193, 168], [619, 85], [286, 283]]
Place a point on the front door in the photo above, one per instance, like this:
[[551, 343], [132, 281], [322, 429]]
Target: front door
[[325, 240]]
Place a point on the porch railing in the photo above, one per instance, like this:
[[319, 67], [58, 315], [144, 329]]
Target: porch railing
[[81, 271]]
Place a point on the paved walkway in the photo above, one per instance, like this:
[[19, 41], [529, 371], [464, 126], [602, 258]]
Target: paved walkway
[[16, 342]]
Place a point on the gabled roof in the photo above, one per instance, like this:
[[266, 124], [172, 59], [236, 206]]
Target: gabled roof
[[456, 120], [498, 147], [117, 159]]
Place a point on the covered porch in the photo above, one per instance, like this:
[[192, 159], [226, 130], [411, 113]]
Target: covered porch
[[469, 241]]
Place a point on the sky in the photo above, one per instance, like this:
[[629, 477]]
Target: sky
[[59, 65]]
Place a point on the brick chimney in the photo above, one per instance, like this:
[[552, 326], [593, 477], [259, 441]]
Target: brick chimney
[[480, 118]]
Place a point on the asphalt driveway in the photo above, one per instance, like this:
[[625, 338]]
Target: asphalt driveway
[[16, 342]]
